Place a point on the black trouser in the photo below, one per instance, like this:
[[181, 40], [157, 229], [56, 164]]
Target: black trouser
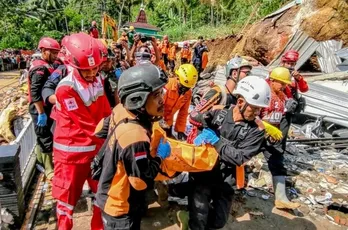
[[44, 136], [275, 159], [124, 222], [198, 67], [165, 59], [184, 61], [172, 65], [284, 127], [209, 204]]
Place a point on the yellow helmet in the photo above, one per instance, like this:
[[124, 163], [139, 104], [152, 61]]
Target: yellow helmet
[[188, 75], [131, 28], [281, 74]]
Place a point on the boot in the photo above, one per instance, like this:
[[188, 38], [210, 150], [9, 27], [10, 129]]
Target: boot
[[183, 218], [38, 154], [48, 165], [281, 200]]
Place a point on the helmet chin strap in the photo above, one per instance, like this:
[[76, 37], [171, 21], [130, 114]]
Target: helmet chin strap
[[142, 114], [242, 110]]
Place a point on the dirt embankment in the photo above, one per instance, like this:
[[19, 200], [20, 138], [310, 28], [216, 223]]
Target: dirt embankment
[[320, 19]]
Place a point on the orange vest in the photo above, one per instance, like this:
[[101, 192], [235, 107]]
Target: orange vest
[[162, 65]]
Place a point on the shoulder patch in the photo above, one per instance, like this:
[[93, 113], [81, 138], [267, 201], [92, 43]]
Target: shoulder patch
[[71, 104]]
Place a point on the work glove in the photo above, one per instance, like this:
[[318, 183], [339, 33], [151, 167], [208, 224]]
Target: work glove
[[290, 105], [207, 136], [163, 150], [273, 131], [42, 120], [182, 136], [118, 72]]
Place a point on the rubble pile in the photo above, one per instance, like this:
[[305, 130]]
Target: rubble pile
[[317, 179]]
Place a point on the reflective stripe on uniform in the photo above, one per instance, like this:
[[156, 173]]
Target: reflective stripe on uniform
[[76, 149], [68, 206], [63, 213]]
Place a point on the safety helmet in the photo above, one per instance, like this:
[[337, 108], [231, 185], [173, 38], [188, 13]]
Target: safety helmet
[[290, 56], [137, 82], [48, 43], [94, 23], [83, 52], [236, 63], [188, 75], [254, 90], [65, 40], [281, 74], [131, 28], [103, 49]]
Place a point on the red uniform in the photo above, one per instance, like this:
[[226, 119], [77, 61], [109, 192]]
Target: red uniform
[[80, 106], [274, 113], [299, 84]]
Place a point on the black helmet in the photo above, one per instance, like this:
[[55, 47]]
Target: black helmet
[[137, 82]]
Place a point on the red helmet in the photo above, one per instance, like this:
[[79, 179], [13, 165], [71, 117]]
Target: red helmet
[[94, 23], [290, 56], [48, 43], [83, 52], [103, 50], [65, 40]]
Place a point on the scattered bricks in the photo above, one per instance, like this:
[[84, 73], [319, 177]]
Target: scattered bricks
[[337, 219]]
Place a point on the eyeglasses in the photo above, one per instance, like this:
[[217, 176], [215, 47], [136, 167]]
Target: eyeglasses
[[246, 72]]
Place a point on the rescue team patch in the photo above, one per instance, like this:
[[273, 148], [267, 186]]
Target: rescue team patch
[[140, 155], [71, 104]]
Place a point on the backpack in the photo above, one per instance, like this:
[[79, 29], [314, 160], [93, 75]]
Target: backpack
[[97, 163]]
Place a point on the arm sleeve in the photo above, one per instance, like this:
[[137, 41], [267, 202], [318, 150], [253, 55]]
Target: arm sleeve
[[50, 86], [250, 147], [302, 85], [77, 112], [181, 119], [36, 85], [140, 167]]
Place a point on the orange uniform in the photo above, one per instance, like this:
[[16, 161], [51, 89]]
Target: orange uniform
[[162, 65], [204, 60], [173, 102], [172, 53], [186, 53]]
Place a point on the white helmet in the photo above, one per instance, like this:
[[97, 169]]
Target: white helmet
[[254, 90]]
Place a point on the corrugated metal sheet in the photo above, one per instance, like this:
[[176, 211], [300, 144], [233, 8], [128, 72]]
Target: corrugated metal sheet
[[301, 42], [260, 71], [282, 10], [327, 58], [342, 53]]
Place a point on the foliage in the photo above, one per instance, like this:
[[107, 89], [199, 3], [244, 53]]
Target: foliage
[[24, 22]]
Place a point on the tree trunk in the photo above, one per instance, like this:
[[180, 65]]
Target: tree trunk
[[184, 15], [129, 11], [211, 15], [120, 16]]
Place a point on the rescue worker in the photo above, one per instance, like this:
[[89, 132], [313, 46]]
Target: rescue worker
[[237, 136], [164, 48], [39, 72], [81, 104], [205, 58], [185, 53], [236, 69], [172, 56], [278, 80], [198, 49], [111, 75], [128, 167], [130, 36], [177, 98], [298, 83], [93, 30]]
